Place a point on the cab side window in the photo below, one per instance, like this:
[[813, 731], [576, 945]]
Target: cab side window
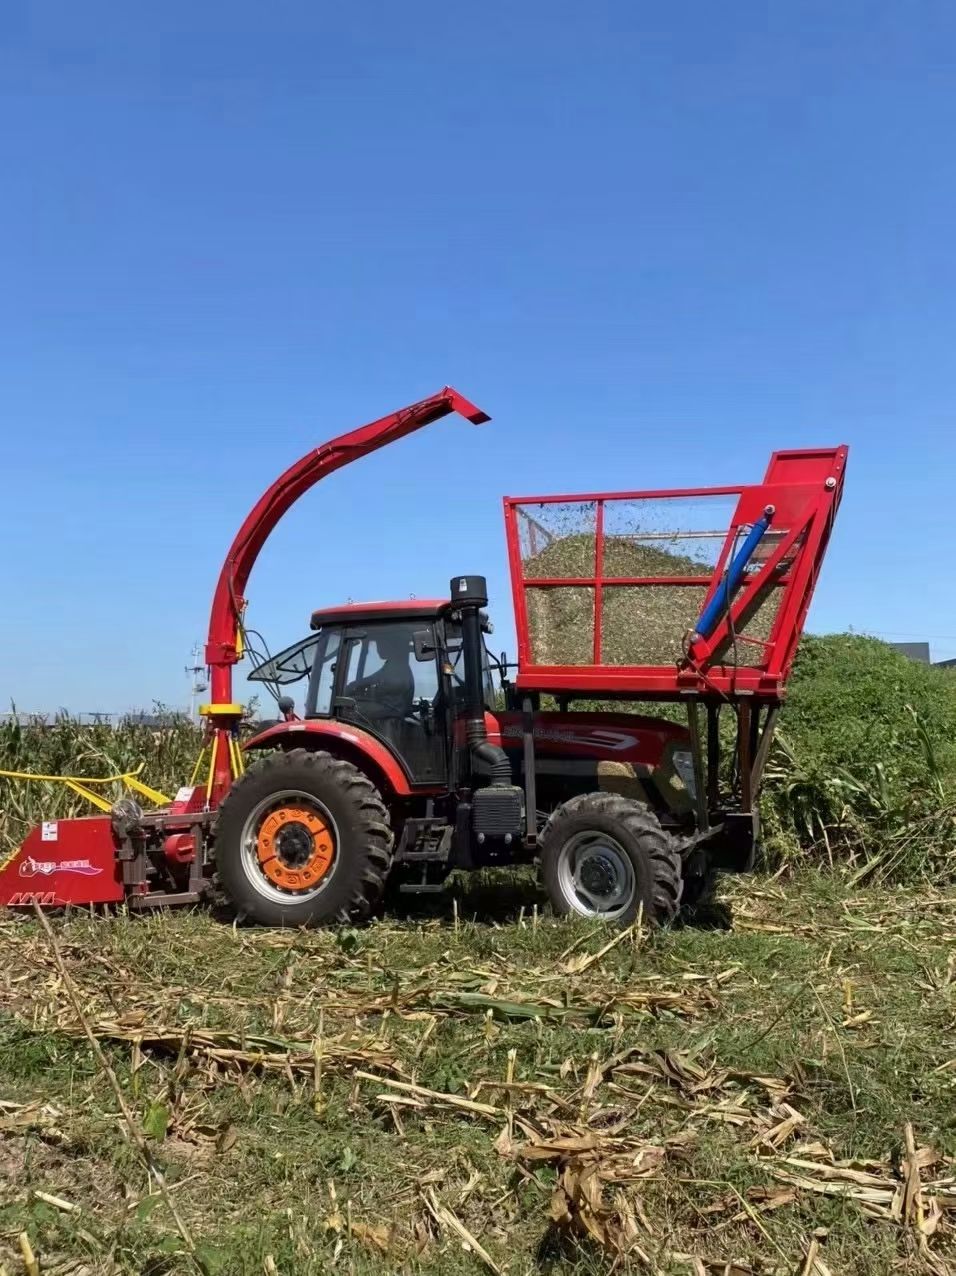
[[378, 675]]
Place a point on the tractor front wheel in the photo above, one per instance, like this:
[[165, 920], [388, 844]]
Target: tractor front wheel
[[303, 839], [606, 856]]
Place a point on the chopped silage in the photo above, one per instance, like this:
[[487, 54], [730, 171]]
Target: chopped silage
[[641, 624]]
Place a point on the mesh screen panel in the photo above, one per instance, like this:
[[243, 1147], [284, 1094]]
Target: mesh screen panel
[[557, 539], [645, 624], [561, 624], [656, 537], [672, 536]]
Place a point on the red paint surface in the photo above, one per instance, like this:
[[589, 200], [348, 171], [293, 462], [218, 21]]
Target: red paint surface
[[605, 737], [316, 733], [75, 864], [379, 610], [804, 487]]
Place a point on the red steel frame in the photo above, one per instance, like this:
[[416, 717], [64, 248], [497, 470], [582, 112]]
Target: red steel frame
[[75, 861], [804, 487], [225, 620]]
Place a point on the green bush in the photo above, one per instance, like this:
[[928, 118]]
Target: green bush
[[865, 764]]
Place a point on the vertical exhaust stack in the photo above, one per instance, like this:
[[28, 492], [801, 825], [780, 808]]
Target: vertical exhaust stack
[[469, 594]]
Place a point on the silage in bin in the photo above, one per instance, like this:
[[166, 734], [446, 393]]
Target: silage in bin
[[641, 624], [561, 624], [757, 626]]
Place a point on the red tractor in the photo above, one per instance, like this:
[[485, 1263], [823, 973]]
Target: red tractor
[[405, 761], [412, 752]]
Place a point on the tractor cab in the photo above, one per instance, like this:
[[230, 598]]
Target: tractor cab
[[392, 669]]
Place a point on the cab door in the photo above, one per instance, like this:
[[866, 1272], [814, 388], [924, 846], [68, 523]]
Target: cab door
[[384, 689]]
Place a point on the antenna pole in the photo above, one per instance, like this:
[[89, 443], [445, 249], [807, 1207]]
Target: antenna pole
[[198, 678]]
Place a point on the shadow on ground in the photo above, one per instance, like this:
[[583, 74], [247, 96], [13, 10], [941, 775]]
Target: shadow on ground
[[500, 898], [486, 897]]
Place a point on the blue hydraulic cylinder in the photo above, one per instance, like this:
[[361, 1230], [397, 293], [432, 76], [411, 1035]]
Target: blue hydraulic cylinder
[[732, 577]]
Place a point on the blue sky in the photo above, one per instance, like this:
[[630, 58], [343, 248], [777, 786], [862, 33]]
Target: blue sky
[[655, 242]]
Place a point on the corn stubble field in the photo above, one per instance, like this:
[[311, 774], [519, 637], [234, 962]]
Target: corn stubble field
[[485, 1089]]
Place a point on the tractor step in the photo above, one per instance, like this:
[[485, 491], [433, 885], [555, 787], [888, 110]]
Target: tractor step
[[422, 888], [424, 841]]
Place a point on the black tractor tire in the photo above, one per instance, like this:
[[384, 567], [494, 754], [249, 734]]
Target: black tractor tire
[[614, 832], [350, 806]]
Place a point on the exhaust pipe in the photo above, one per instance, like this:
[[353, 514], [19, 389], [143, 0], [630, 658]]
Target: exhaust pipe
[[469, 594]]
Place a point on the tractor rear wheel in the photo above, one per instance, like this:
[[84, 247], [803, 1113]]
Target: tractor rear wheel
[[303, 839], [606, 856]]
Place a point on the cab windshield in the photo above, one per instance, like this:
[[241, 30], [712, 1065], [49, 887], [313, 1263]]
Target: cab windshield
[[312, 658]]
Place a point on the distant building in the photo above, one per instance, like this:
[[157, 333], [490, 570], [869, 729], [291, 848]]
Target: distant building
[[50, 719], [918, 651], [155, 721]]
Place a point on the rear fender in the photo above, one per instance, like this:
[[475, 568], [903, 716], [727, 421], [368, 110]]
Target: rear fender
[[352, 744]]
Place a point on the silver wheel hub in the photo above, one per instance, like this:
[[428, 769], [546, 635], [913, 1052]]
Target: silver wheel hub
[[596, 875]]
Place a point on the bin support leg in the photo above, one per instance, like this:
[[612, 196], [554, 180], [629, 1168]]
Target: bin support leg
[[530, 786], [700, 793], [713, 755], [744, 762]]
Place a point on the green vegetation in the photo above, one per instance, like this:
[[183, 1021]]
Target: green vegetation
[[865, 768], [62, 746]]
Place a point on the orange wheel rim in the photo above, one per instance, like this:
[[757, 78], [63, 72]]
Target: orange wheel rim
[[295, 848]]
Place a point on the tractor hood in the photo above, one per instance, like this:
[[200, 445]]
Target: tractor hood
[[612, 737]]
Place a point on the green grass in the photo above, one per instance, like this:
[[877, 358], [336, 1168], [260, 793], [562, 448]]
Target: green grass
[[846, 997]]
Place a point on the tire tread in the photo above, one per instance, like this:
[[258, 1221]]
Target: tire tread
[[368, 810], [640, 824]]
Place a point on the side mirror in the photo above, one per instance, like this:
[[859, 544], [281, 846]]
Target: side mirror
[[286, 706], [425, 648]]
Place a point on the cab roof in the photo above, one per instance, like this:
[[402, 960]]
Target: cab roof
[[407, 608]]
